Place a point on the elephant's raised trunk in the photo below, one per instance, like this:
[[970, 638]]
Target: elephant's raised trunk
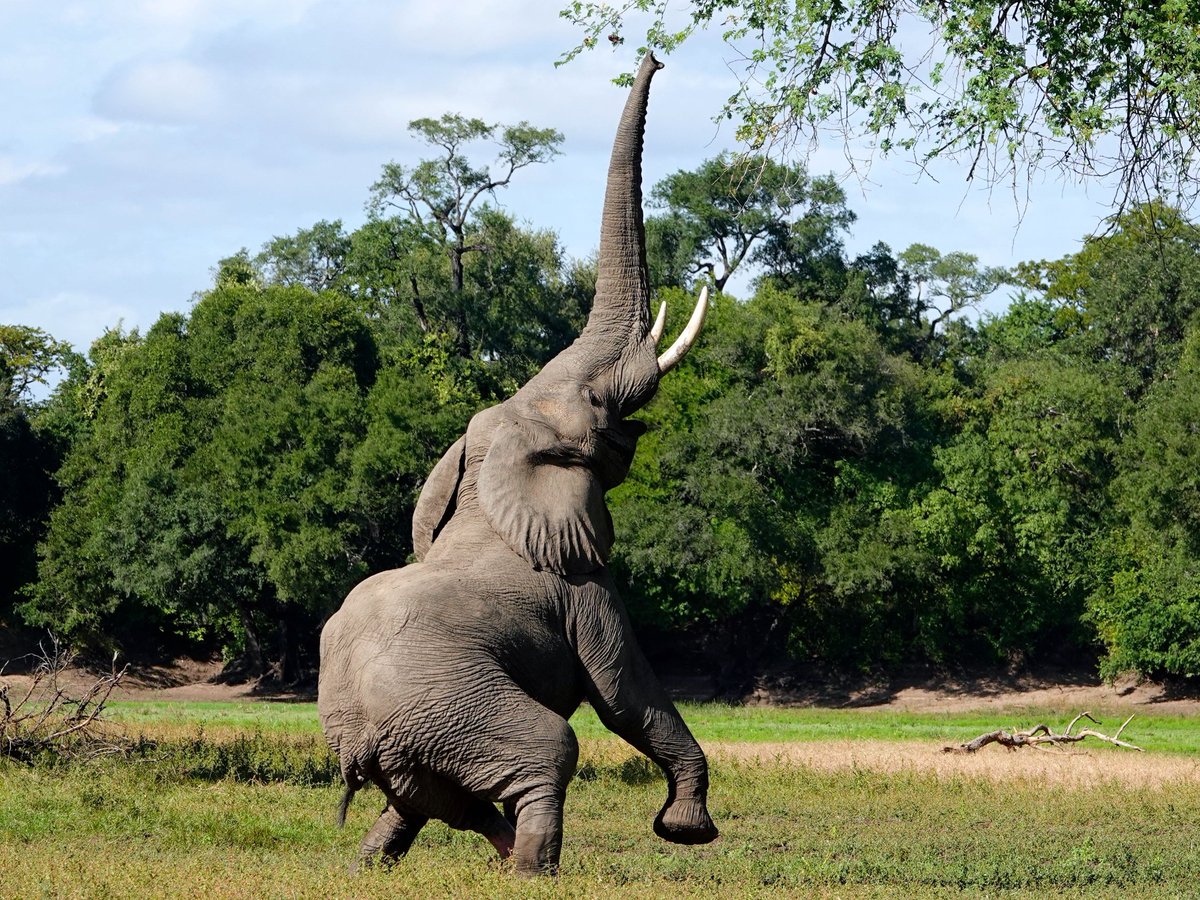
[[622, 301], [616, 351]]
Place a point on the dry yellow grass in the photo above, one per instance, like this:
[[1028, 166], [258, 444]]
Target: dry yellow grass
[[1078, 766]]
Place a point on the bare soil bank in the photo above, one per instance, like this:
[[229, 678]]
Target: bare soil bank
[[953, 694]]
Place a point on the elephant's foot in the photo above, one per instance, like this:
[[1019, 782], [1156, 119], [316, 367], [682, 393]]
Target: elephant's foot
[[685, 821], [539, 838], [388, 839]]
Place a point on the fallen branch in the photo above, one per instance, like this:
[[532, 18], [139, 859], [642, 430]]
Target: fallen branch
[[1041, 737], [47, 719]]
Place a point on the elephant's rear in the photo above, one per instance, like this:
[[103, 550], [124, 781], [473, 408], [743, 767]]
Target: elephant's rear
[[389, 642], [411, 670], [368, 626], [340, 709]]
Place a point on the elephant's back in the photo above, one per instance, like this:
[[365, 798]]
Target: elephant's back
[[410, 640], [395, 622], [436, 604]]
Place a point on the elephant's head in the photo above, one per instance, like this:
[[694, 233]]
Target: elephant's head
[[537, 466]]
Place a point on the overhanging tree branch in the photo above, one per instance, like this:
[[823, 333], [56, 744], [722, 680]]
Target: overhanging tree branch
[[1110, 86]]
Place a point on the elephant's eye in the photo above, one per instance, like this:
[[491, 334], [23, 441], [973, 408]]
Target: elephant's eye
[[592, 397]]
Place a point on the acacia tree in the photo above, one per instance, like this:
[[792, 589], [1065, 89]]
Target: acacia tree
[[1012, 86], [726, 211], [945, 284], [438, 196], [314, 257]]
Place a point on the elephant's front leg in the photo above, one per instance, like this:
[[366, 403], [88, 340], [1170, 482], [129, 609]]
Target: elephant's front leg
[[631, 702]]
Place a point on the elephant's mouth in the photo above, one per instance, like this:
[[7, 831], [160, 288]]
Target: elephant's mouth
[[624, 436], [597, 449], [616, 447]]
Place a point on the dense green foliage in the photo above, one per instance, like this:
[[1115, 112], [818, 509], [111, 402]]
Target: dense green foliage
[[28, 455], [845, 470]]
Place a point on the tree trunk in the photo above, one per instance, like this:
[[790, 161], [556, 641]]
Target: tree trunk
[[255, 663], [418, 304], [460, 300]]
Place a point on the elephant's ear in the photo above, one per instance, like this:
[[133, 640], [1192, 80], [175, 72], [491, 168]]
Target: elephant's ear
[[548, 508], [438, 498]]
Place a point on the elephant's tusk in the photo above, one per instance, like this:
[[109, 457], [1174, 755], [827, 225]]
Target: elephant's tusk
[[656, 329], [683, 343]]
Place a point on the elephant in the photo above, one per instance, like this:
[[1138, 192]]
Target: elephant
[[448, 683]]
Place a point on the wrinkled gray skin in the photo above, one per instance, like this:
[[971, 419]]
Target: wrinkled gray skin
[[448, 683]]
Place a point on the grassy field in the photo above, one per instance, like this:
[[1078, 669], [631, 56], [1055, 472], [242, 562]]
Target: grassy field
[[711, 722], [238, 800]]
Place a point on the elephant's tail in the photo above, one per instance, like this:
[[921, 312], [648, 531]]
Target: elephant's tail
[[354, 781]]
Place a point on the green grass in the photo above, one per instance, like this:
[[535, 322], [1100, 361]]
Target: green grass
[[711, 722], [718, 722], [261, 715], [135, 830], [239, 799]]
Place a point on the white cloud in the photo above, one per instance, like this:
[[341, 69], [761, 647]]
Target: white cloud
[[12, 171], [84, 129], [163, 92]]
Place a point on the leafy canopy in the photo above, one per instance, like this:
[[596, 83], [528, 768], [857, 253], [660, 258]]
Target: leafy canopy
[[727, 211], [27, 357], [1011, 86]]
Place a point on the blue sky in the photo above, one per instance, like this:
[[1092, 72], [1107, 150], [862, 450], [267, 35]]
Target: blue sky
[[146, 139]]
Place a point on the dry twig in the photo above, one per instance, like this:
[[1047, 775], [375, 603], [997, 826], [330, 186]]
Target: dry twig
[[48, 719], [1041, 737]]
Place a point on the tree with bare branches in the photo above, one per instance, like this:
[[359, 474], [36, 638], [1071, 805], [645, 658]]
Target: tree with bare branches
[[47, 716]]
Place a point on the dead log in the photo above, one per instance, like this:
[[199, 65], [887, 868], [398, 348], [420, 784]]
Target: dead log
[[1042, 738]]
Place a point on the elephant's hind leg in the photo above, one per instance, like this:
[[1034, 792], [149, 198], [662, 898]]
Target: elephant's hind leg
[[438, 797], [483, 817], [539, 833], [512, 751], [389, 838], [538, 809], [523, 755]]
